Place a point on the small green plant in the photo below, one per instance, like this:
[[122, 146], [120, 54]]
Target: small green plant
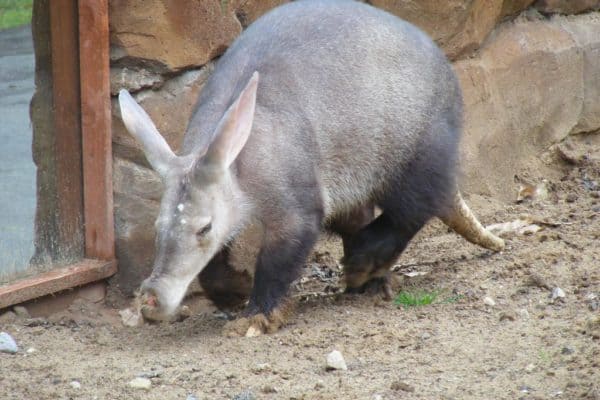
[[422, 298], [415, 299], [15, 13]]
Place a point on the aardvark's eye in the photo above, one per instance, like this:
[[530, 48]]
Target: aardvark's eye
[[204, 230]]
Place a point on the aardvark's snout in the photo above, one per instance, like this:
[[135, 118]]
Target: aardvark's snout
[[154, 300]]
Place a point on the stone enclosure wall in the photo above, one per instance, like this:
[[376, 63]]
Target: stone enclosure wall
[[530, 72]]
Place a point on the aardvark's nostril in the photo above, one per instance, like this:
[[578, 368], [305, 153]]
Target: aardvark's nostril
[[148, 293]]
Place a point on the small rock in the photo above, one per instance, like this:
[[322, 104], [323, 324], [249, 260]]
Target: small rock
[[571, 198], [530, 368], [268, 389], [149, 374], [75, 384], [263, 367], [525, 389], [131, 317], [399, 385], [31, 350], [21, 312], [335, 360], [8, 318], [33, 322], [246, 395], [489, 301], [508, 316], [592, 327], [567, 350], [320, 384], [377, 397], [593, 302], [535, 279], [7, 343], [140, 383], [523, 313], [425, 335], [557, 293], [225, 316], [191, 397], [591, 297]]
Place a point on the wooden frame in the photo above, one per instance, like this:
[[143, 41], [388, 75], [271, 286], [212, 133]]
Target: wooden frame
[[81, 94]]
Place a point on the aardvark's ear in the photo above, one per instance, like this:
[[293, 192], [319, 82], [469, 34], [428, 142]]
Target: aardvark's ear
[[234, 128], [141, 127]]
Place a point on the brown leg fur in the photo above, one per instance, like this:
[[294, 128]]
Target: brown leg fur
[[258, 324]]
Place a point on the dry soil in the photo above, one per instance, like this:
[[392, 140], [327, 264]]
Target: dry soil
[[525, 346]]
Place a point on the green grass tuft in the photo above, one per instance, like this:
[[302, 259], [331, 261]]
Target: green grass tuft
[[423, 298], [415, 299], [15, 13]]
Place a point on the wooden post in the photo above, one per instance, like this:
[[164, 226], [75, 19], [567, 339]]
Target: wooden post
[[81, 86], [67, 122], [96, 129]]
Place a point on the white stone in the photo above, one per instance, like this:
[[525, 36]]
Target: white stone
[[263, 367], [131, 317], [140, 383], [31, 350], [489, 301], [75, 385], [253, 332], [335, 360], [7, 343], [558, 293], [530, 368]]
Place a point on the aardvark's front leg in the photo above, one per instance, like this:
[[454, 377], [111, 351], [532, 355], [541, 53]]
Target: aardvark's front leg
[[280, 259]]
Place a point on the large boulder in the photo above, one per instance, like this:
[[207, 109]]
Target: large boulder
[[533, 84], [168, 35], [585, 30], [458, 26], [175, 34]]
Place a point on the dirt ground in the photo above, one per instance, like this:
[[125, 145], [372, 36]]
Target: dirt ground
[[525, 346]]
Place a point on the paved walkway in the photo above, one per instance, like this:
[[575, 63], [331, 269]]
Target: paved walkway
[[17, 171]]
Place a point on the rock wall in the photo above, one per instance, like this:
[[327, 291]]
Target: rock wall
[[529, 70]]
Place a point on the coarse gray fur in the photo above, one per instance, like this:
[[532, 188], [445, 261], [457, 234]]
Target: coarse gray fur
[[353, 107], [348, 94]]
